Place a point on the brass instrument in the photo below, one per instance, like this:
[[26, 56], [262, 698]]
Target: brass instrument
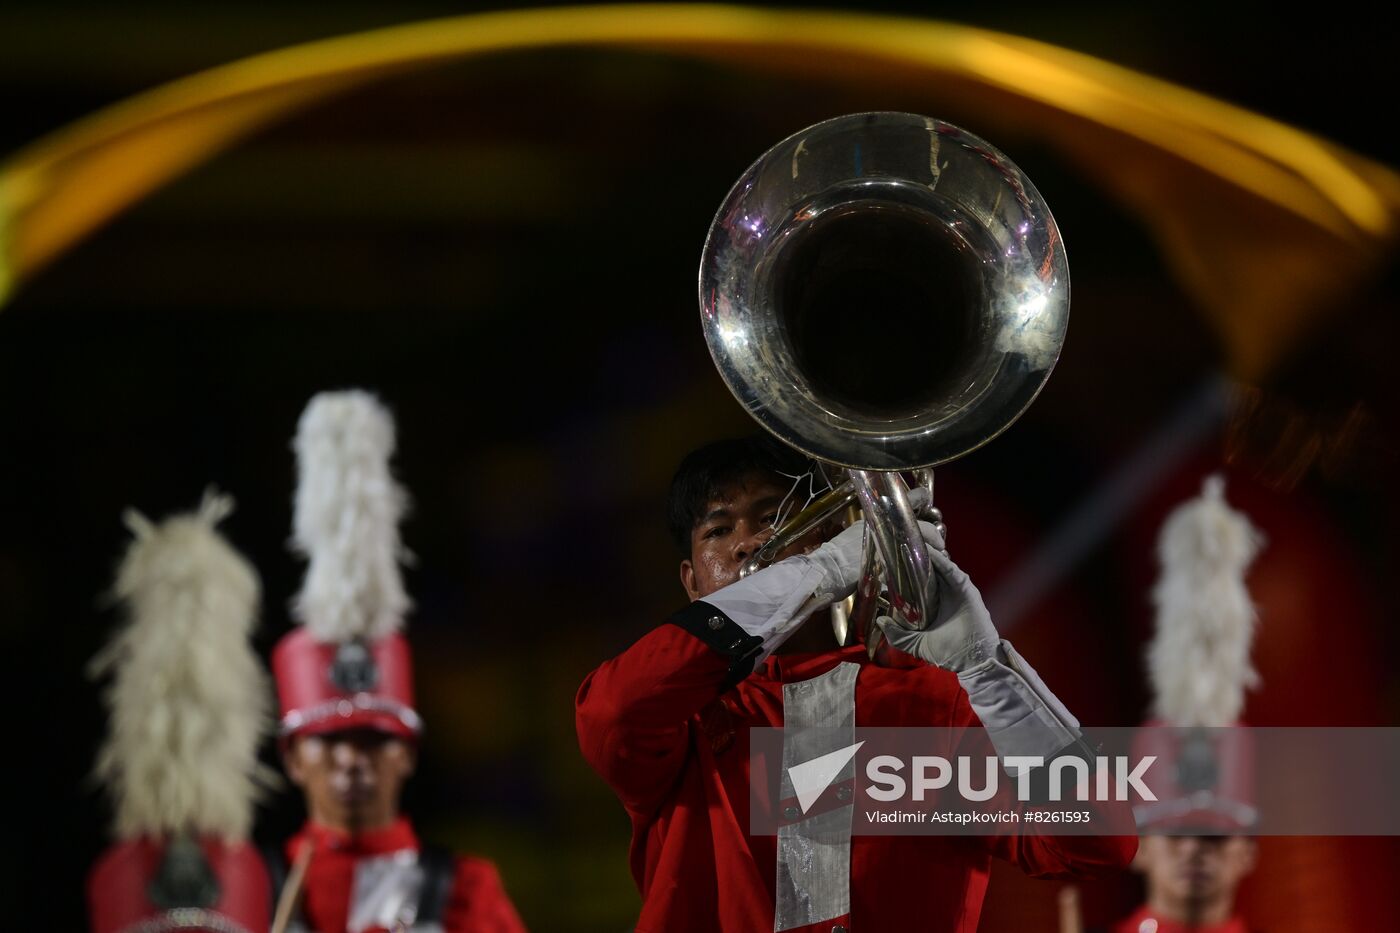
[[884, 292]]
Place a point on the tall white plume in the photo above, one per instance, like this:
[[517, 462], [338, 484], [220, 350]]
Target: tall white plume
[[189, 701], [348, 508], [1198, 661]]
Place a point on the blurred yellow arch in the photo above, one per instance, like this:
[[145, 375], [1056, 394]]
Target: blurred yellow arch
[[1260, 221]]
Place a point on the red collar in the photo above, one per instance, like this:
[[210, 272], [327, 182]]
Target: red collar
[[1134, 923], [397, 836], [790, 668]]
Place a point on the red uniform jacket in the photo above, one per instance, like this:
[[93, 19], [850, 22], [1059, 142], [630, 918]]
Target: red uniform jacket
[[654, 724], [1145, 921], [477, 904]]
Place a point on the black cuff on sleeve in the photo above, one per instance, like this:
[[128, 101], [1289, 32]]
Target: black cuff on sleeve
[[724, 635]]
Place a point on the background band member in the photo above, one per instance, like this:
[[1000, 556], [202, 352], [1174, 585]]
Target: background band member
[[1199, 667], [666, 723], [189, 703], [349, 727]]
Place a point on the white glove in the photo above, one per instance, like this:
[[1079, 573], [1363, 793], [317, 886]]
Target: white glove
[[962, 635], [774, 602], [839, 561], [1019, 712], [840, 558]]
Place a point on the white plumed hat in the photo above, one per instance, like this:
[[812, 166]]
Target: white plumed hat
[[347, 665], [1199, 658]]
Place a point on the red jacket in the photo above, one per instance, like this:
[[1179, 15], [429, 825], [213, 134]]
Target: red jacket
[[654, 724], [477, 903], [1145, 921]]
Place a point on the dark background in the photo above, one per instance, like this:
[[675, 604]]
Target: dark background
[[505, 251]]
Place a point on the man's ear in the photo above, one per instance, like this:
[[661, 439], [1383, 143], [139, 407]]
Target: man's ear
[[1250, 857], [291, 762], [404, 754], [688, 579], [1142, 860]]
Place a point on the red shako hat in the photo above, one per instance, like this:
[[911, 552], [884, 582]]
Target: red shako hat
[[347, 665], [1199, 666]]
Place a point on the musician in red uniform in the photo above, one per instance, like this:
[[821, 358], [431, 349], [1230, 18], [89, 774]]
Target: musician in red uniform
[[349, 727], [666, 725], [1191, 884]]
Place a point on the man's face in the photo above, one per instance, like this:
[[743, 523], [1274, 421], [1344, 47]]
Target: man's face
[[735, 523], [352, 780], [1184, 869]]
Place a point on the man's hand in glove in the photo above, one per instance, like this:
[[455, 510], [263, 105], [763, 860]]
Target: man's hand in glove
[[839, 562], [962, 634], [773, 603]]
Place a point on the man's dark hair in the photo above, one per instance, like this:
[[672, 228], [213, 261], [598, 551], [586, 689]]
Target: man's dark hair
[[707, 470]]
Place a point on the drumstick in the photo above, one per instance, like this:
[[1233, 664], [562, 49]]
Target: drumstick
[[291, 891], [1071, 921]]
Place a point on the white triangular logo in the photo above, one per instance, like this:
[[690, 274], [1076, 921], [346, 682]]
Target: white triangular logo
[[811, 778]]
